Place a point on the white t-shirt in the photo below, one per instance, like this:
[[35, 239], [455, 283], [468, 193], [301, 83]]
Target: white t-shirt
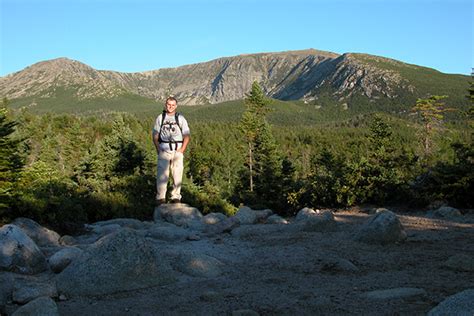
[[171, 131]]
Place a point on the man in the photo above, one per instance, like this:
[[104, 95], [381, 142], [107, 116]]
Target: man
[[171, 136]]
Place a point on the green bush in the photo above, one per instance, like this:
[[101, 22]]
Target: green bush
[[207, 199]]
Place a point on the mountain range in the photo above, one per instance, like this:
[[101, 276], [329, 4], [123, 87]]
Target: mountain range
[[315, 77]]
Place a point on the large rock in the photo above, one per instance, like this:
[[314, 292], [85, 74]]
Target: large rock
[[42, 306], [168, 232], [460, 304], [40, 235], [25, 292], [259, 230], [125, 222], [445, 212], [19, 253], [6, 289], [247, 216], [179, 214], [223, 226], [118, 262], [198, 265], [102, 230], [382, 228], [305, 213], [315, 221], [213, 218], [61, 259]]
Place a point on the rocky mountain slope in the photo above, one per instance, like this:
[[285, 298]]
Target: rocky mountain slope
[[44, 78], [293, 75]]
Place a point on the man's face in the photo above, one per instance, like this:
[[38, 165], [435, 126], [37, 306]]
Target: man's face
[[171, 106]]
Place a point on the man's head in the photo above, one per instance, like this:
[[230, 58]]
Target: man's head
[[170, 105]]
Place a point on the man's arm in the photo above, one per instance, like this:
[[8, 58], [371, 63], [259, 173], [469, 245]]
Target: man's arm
[[156, 141], [186, 139]]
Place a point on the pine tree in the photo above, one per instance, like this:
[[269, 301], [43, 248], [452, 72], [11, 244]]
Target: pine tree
[[11, 160], [264, 160], [470, 97], [431, 112], [252, 124]]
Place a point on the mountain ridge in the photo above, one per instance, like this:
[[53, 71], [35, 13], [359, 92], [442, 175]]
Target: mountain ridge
[[309, 75]]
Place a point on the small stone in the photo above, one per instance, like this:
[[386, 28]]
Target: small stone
[[396, 293], [460, 262], [276, 219], [67, 240], [209, 296], [194, 237], [245, 312], [339, 265]]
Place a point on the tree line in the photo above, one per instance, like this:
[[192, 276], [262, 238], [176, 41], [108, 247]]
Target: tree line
[[64, 170]]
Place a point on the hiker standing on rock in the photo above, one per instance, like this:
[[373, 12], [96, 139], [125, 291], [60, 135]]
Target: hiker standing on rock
[[171, 136]]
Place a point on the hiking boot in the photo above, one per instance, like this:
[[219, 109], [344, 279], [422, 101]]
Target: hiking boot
[[159, 202], [175, 201]]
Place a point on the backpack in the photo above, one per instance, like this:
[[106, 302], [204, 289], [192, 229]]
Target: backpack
[[176, 142]]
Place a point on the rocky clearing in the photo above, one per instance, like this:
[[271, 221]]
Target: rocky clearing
[[266, 269]]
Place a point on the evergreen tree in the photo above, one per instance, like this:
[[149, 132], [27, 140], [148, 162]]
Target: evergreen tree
[[119, 153], [381, 170], [11, 160], [470, 97], [431, 112], [252, 124], [264, 160]]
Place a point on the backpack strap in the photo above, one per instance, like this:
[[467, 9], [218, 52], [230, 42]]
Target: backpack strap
[[163, 115], [176, 117]]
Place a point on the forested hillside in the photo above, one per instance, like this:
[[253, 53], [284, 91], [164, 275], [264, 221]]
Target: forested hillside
[[64, 169]]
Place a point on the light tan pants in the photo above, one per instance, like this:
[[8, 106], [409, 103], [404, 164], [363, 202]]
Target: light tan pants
[[169, 160]]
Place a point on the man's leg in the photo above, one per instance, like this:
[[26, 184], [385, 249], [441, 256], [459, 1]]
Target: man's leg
[[177, 173], [162, 174]]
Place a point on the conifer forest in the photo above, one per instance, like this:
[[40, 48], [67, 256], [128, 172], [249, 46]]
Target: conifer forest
[[68, 169]]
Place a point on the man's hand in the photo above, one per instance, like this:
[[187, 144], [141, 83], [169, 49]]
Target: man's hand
[[186, 139]]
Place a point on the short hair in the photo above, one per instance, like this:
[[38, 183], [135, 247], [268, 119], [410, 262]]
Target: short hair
[[170, 98]]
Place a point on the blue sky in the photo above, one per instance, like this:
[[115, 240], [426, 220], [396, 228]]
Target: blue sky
[[140, 35]]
